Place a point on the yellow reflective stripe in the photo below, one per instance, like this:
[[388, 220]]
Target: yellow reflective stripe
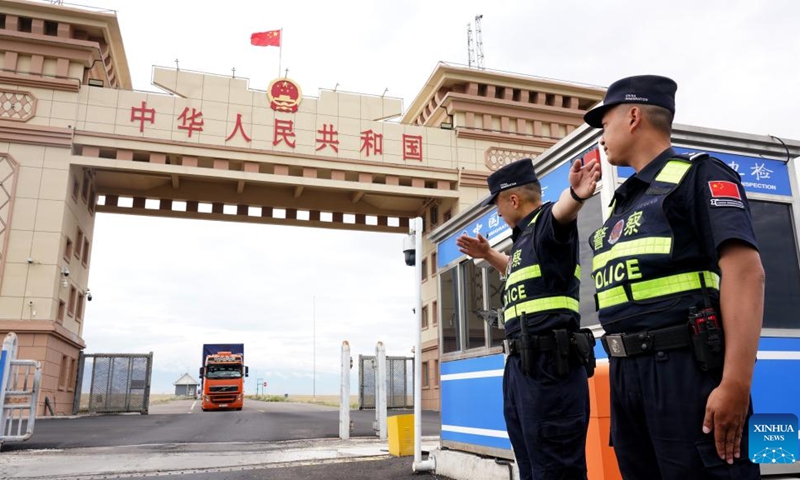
[[534, 271], [683, 282], [540, 305], [611, 297], [659, 287], [578, 272], [641, 246], [673, 172]]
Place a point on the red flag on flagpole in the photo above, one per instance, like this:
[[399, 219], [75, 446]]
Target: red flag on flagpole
[[271, 38]]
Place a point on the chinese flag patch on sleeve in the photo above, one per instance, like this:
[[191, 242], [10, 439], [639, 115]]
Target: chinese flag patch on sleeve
[[724, 189]]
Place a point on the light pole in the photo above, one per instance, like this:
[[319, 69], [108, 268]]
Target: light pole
[[314, 347], [412, 248]]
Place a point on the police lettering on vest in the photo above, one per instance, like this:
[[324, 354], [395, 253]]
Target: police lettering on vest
[[526, 290], [633, 253]]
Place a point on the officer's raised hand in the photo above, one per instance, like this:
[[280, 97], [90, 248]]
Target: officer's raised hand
[[583, 178], [475, 247], [583, 182], [478, 247]]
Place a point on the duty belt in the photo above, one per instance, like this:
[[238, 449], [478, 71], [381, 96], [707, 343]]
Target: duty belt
[[633, 344], [540, 343]]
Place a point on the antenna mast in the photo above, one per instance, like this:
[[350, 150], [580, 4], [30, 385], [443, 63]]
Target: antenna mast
[[479, 40], [470, 47]]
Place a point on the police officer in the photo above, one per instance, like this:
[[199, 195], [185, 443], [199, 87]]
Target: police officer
[[680, 294], [545, 392]]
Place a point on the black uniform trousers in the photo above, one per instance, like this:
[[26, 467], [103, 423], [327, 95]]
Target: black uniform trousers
[[658, 403], [547, 418]]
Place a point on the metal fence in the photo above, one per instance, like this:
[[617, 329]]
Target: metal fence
[[20, 399], [400, 376], [116, 383]]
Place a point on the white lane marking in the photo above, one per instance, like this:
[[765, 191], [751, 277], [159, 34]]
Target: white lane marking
[[192, 407]]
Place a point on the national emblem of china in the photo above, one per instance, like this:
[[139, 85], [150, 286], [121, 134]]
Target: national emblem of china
[[284, 95]]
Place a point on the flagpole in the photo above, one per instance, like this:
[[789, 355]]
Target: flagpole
[[280, 51]]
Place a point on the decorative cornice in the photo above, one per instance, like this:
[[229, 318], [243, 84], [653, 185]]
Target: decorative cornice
[[48, 327], [35, 81], [531, 141], [16, 132], [472, 178]]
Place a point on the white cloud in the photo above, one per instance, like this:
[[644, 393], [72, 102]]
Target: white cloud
[[735, 62]]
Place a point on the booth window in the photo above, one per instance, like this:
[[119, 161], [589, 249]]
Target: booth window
[[778, 248], [495, 296], [448, 296], [589, 219], [473, 304]]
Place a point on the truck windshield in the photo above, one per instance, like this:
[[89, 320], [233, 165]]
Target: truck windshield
[[223, 371]]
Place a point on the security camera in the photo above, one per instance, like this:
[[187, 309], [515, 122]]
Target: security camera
[[65, 271], [30, 260], [88, 295], [409, 250]]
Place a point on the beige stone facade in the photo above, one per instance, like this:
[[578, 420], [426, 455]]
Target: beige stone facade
[[76, 140]]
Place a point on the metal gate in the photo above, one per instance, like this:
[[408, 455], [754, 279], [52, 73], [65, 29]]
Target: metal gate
[[400, 375], [116, 383]]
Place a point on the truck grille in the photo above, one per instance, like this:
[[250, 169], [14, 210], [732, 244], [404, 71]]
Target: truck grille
[[224, 388]]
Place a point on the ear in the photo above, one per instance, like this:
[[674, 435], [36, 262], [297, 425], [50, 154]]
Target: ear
[[635, 116]]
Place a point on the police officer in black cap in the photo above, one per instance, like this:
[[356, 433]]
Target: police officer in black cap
[[545, 391], [680, 294]]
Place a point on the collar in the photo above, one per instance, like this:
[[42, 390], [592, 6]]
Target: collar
[[645, 175], [526, 220]]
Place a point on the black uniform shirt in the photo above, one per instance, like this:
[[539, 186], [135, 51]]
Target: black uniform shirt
[[700, 222], [557, 249]]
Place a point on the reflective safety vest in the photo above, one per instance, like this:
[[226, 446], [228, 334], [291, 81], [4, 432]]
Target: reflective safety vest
[[526, 290], [633, 265]]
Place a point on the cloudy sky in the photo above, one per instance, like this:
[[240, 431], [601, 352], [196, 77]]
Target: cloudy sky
[[735, 63]]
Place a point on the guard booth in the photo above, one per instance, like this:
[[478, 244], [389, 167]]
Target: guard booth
[[472, 358]]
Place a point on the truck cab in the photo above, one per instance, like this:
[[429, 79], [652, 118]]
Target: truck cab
[[223, 381]]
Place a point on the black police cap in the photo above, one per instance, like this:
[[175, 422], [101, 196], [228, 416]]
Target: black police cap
[[512, 175], [644, 89]]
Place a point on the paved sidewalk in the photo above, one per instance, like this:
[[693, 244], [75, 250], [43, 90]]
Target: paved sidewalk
[[329, 459]]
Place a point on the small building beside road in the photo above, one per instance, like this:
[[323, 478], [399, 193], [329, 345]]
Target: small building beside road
[[186, 386]]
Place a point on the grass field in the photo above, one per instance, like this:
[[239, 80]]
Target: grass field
[[330, 400]]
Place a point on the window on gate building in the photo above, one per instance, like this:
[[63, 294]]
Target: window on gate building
[[448, 298], [425, 375], [777, 245], [424, 317]]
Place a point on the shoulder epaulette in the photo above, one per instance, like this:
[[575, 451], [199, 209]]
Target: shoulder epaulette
[[691, 156]]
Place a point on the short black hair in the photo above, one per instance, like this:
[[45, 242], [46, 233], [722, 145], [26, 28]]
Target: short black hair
[[531, 192], [659, 117]]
